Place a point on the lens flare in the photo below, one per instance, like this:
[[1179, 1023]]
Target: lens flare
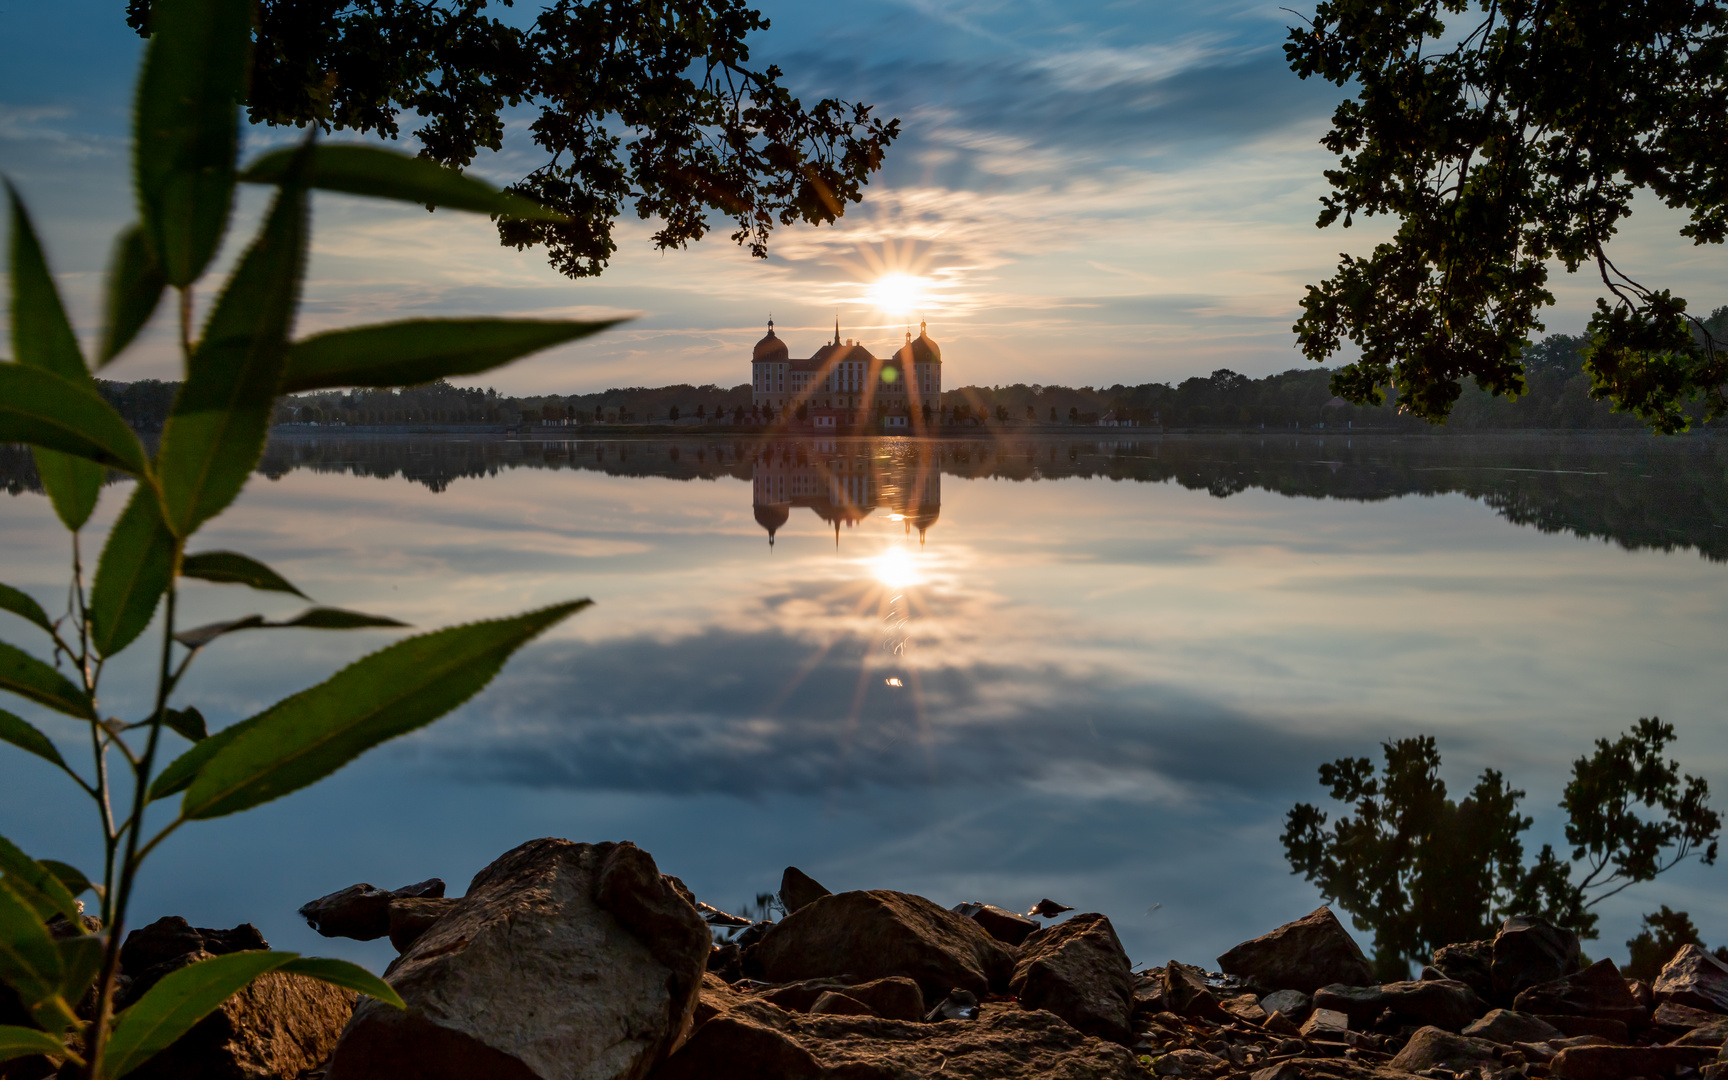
[[895, 568], [899, 294]]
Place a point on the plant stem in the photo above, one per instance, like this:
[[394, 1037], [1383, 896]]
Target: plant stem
[[135, 824]]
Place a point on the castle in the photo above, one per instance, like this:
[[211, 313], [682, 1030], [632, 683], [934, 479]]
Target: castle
[[842, 387]]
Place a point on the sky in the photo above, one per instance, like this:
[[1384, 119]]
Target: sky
[[1089, 193]]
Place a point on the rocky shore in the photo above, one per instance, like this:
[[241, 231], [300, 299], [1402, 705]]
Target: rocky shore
[[568, 961]]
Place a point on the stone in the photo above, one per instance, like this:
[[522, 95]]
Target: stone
[[1624, 1062], [1294, 1004], [727, 961], [1469, 962], [1312, 952], [172, 936], [1432, 1048], [411, 917], [1508, 1026], [798, 889], [1714, 1033], [1530, 950], [1694, 978], [278, 1026], [1598, 992], [759, 1042], [877, 933], [567, 960], [958, 1005], [1280, 1024], [893, 998], [1078, 970], [1001, 924], [835, 1003], [1326, 1024], [1047, 909], [362, 911], [753, 933], [1441, 1003], [1186, 1062], [1246, 1008], [1673, 1016], [717, 996], [1617, 1031], [1641, 993], [1188, 994], [799, 996]]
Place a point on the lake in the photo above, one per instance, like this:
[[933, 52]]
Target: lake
[[1099, 668]]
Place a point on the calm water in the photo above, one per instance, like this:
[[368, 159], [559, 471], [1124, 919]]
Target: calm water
[[1099, 670]]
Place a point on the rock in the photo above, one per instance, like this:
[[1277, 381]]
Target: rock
[[362, 911], [958, 1005], [278, 1026], [893, 998], [1673, 1016], [1280, 1024], [758, 1042], [713, 916], [1245, 1008], [1004, 926], [717, 996], [1714, 1033], [1623, 1062], [798, 889], [1508, 1026], [753, 933], [1078, 971], [1530, 950], [1598, 991], [1641, 993], [1326, 1024], [411, 917], [833, 1002], [1694, 978], [727, 961], [876, 933], [1432, 1048], [1312, 952], [1186, 1062], [1441, 1003], [1577, 1026], [1469, 962], [1187, 993], [1047, 909], [563, 960], [1294, 1004], [173, 936]]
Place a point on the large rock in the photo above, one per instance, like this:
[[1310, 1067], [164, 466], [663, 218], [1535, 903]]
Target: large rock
[[1294, 1004], [1694, 978], [1431, 1047], [1469, 962], [1672, 1016], [362, 911], [1509, 1026], [1440, 1003], [1624, 1062], [1530, 950], [1187, 993], [1312, 952], [760, 1042], [167, 938], [575, 961], [279, 1026], [798, 889], [1078, 970], [875, 933], [1005, 926], [1598, 992]]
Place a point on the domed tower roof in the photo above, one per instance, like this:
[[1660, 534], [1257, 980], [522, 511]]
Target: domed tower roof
[[770, 347], [772, 516], [920, 349]]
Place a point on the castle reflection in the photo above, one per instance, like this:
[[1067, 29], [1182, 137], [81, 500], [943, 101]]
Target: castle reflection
[[845, 481]]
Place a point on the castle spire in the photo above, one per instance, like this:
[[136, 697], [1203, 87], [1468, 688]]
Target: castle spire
[[770, 324], [836, 329]]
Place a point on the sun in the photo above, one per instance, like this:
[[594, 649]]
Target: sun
[[895, 568], [899, 294]]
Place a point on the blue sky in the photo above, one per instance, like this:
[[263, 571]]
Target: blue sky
[[1093, 193]]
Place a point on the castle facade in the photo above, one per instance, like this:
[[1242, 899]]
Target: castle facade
[[843, 387]]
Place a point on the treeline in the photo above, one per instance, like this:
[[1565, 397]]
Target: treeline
[[1557, 397]]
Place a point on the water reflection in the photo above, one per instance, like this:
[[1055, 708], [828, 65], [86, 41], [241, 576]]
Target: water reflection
[[843, 482]]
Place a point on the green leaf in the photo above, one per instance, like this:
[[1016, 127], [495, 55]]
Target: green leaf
[[46, 411], [136, 568], [186, 129], [386, 174], [36, 885], [221, 417], [200, 636], [306, 737], [29, 963], [348, 976], [17, 1042], [135, 286], [80, 963], [422, 350], [24, 736], [188, 723], [24, 606], [29, 677], [181, 999], [329, 618], [71, 877], [184, 769], [232, 568]]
